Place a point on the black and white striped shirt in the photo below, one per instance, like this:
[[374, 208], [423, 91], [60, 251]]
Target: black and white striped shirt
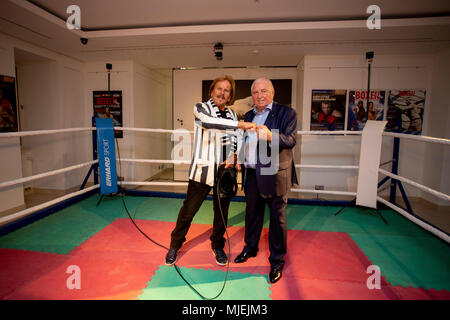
[[212, 135]]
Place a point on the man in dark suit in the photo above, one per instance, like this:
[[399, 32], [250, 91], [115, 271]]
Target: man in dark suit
[[269, 174]]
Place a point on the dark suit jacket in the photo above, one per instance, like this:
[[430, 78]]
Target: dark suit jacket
[[284, 119]]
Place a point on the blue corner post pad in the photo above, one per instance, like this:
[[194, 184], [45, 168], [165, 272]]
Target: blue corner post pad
[[106, 155]]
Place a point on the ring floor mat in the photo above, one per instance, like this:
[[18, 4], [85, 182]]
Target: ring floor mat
[[328, 256]]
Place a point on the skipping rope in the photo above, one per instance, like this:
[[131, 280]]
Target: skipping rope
[[122, 192]]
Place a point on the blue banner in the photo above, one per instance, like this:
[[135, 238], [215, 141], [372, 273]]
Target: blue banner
[[106, 155]]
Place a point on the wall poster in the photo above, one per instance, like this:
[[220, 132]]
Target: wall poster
[[405, 111], [328, 109], [8, 110], [361, 109], [108, 104]]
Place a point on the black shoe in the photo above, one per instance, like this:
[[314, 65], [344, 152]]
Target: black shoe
[[221, 257], [171, 257], [275, 274], [244, 255]]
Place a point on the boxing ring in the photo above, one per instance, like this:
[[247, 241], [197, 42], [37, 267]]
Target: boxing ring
[[93, 166], [334, 252]]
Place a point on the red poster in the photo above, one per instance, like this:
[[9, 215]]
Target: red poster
[[108, 104], [8, 110]]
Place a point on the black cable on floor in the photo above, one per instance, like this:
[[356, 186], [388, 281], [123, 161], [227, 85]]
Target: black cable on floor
[[122, 194]]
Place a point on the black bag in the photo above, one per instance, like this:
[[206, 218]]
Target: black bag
[[226, 182]]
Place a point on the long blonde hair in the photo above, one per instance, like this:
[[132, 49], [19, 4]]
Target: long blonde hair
[[232, 83]]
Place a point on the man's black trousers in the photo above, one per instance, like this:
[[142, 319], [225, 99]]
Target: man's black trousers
[[254, 219], [196, 194]]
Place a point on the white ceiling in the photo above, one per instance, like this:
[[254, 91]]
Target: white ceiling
[[181, 33], [110, 14]]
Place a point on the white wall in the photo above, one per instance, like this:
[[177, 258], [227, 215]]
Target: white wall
[[300, 111], [146, 103], [350, 72], [437, 164], [11, 167], [96, 78], [78, 145], [152, 109], [51, 93], [340, 72], [56, 93]]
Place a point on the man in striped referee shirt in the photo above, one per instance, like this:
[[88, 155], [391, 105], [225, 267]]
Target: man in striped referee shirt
[[212, 147]]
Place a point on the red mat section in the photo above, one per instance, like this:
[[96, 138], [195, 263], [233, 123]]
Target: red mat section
[[118, 261], [325, 265], [101, 277], [329, 265], [18, 268], [122, 237], [324, 255], [295, 288], [196, 251], [420, 294]]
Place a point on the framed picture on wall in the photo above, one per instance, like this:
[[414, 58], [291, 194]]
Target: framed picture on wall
[[405, 111], [328, 109], [8, 110], [243, 99], [362, 108], [108, 104]]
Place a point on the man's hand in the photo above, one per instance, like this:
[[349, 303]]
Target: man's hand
[[263, 133], [246, 125], [230, 161]]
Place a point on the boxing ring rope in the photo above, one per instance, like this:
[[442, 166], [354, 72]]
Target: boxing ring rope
[[45, 174], [47, 204], [341, 193], [16, 182], [439, 233], [42, 132], [344, 167], [418, 138], [396, 208], [415, 184], [175, 162], [417, 221], [300, 190], [305, 166], [320, 166], [329, 133]]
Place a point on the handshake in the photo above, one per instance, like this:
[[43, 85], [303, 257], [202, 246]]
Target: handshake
[[262, 131]]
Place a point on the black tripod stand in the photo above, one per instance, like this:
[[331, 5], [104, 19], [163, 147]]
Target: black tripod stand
[[353, 203], [369, 57]]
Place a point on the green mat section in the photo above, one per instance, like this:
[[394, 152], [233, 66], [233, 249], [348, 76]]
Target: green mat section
[[350, 220], [64, 230], [418, 262], [239, 286], [407, 255], [164, 209]]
